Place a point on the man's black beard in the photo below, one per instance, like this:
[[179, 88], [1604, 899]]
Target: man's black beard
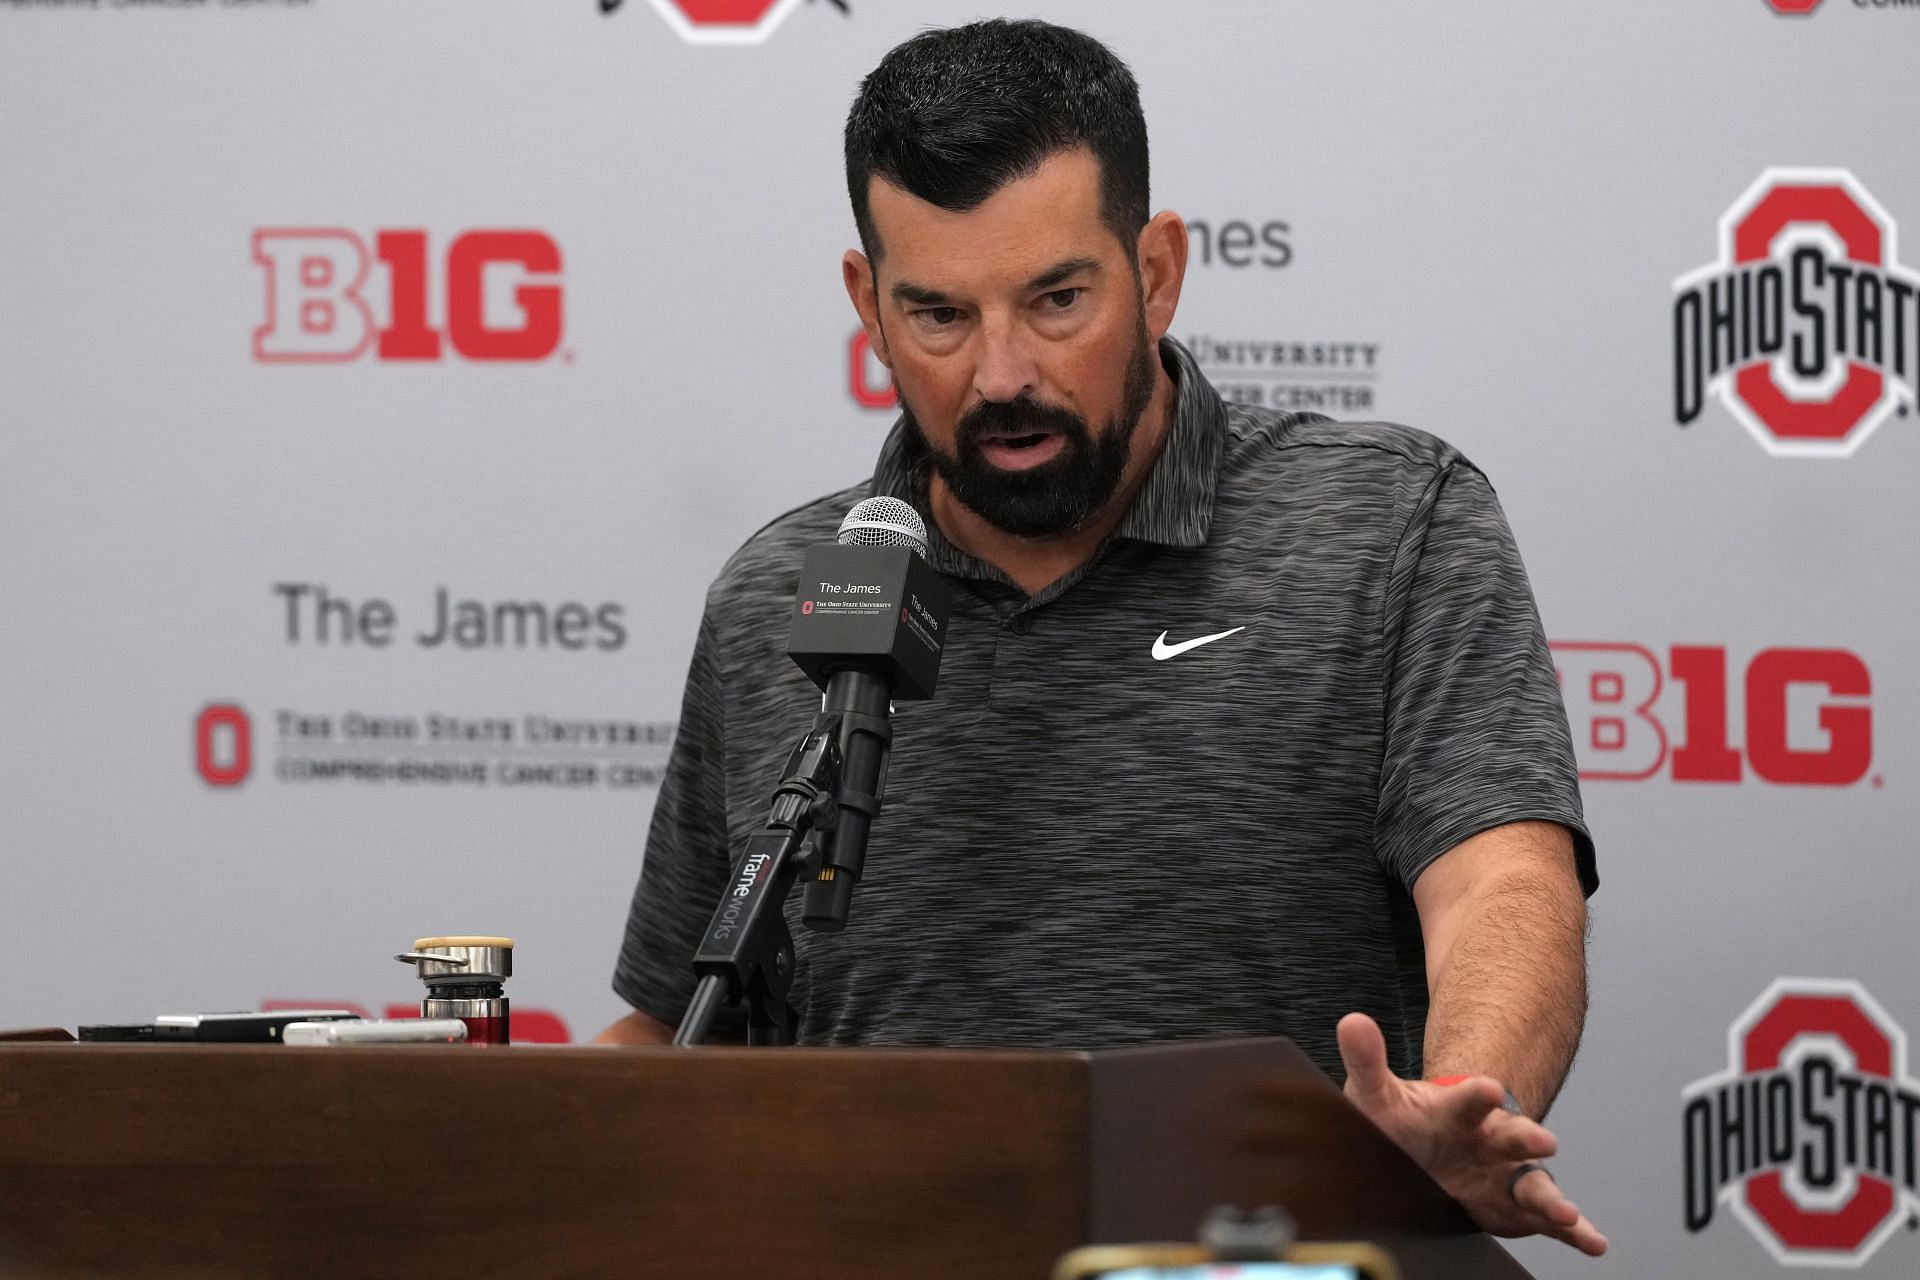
[[1059, 495]]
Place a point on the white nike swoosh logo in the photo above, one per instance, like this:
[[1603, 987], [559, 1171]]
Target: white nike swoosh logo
[[1162, 650]]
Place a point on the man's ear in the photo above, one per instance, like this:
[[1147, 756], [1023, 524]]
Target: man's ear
[[1162, 252], [857, 273]]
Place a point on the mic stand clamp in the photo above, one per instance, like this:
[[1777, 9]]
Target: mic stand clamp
[[748, 949]]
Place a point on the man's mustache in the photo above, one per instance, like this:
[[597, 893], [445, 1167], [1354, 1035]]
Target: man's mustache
[[1023, 416]]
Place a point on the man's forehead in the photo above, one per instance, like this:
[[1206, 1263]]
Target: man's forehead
[[1024, 228]]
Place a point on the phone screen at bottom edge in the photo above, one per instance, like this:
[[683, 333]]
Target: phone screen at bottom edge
[[1242, 1271]]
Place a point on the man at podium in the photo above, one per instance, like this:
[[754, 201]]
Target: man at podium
[[1246, 724]]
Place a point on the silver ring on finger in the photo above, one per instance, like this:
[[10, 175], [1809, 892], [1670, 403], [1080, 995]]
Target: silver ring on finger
[[1521, 1171]]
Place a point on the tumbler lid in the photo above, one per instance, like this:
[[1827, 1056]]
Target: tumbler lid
[[460, 959]]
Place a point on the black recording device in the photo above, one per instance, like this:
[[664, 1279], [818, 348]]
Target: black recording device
[[211, 1028]]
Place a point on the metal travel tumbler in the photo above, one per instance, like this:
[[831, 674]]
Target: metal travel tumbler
[[465, 977]]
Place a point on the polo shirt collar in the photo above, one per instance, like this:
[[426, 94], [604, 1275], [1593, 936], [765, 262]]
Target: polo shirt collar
[[1174, 508]]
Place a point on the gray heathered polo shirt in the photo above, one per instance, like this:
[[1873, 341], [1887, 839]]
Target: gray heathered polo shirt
[[1084, 845]]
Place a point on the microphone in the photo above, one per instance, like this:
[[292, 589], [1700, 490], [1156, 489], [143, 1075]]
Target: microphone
[[869, 624]]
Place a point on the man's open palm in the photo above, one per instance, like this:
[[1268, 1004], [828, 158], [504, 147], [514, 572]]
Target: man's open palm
[[1466, 1141]]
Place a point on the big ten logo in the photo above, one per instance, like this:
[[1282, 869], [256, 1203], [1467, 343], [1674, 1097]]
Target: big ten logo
[[528, 1026], [869, 381], [1801, 715], [222, 744], [330, 298]]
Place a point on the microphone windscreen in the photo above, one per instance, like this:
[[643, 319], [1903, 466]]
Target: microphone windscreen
[[884, 522]]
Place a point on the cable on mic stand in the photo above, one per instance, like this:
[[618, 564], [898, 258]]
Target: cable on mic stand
[[866, 742], [748, 949]]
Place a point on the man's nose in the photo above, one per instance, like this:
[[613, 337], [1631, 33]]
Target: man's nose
[[1005, 369]]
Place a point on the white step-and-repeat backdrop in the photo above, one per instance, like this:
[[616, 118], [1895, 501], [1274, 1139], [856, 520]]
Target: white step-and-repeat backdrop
[[383, 380]]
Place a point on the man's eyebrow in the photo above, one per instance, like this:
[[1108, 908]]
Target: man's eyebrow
[[918, 295], [1063, 271], [921, 296]]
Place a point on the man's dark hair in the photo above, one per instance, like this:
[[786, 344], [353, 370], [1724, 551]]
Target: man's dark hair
[[953, 115]]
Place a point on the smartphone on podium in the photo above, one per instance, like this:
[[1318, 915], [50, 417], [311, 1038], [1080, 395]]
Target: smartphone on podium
[[1318, 1261], [1243, 1271]]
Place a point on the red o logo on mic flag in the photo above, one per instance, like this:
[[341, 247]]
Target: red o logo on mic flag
[[806, 606]]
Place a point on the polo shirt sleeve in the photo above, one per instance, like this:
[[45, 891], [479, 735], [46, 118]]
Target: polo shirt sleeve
[[685, 868], [1476, 733]]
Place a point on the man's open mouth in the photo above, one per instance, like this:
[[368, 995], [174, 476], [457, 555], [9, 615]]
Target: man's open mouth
[[1026, 441], [1022, 450]]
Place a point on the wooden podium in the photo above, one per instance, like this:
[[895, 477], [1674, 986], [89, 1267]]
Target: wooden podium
[[218, 1163]]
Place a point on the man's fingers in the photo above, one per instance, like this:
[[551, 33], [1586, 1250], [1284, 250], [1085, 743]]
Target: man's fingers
[[1480, 1104], [1583, 1236], [1363, 1050], [1538, 1194], [1461, 1132], [1518, 1138], [1579, 1233], [1472, 1101]]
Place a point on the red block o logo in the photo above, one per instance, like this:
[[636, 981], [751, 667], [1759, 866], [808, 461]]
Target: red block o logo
[[870, 382], [1804, 1142], [223, 745], [1790, 328], [1864, 238], [1794, 8], [724, 21]]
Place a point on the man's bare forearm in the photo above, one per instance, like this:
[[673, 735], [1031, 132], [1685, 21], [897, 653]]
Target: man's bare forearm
[[636, 1028], [1509, 984]]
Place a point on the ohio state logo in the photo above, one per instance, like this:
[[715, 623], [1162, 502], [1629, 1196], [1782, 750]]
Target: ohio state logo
[[723, 21], [1807, 328], [329, 300], [222, 744], [1809, 1133], [869, 382]]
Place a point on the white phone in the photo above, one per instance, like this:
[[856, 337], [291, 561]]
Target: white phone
[[377, 1031]]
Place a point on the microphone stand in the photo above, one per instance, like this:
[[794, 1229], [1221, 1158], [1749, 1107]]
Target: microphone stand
[[748, 948]]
